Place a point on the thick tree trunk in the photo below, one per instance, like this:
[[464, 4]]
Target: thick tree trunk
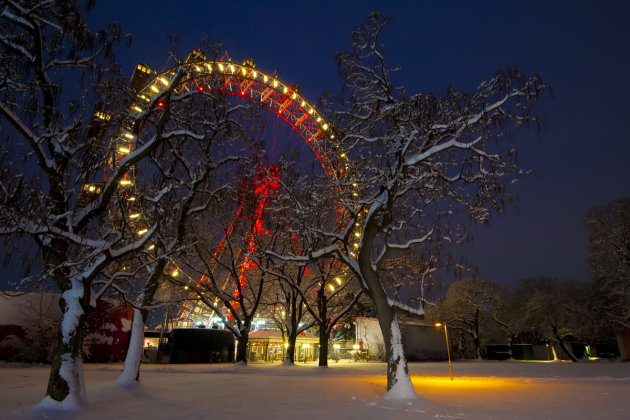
[[399, 384], [289, 358], [131, 367], [66, 388], [324, 336], [241, 348]]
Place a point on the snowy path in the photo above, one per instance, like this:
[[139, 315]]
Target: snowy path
[[486, 390]]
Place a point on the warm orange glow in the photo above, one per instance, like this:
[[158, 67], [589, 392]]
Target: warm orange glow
[[426, 384], [463, 384]]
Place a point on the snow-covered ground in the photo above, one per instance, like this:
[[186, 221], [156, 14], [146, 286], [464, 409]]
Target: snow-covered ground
[[481, 390]]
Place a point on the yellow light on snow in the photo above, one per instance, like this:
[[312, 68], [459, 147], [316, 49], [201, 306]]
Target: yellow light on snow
[[154, 89], [164, 81]]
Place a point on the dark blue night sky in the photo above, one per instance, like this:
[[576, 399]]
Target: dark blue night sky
[[581, 49]]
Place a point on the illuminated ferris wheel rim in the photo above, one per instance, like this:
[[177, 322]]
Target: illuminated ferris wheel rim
[[246, 81], [242, 80]]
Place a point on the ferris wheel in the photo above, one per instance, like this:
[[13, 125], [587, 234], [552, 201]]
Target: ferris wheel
[[200, 75]]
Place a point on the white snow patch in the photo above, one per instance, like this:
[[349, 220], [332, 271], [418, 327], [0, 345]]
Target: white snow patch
[[97, 338], [126, 324], [73, 310]]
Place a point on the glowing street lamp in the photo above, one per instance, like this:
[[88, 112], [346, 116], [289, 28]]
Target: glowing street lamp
[[448, 350]]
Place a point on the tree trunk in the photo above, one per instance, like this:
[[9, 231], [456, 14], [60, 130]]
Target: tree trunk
[[292, 328], [289, 358], [476, 336], [324, 336], [241, 347], [399, 384], [477, 347], [562, 344], [131, 367], [66, 387]]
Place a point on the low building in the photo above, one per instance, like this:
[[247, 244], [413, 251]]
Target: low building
[[421, 342], [29, 324], [270, 346]]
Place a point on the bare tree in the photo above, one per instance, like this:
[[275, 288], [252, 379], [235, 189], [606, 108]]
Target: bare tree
[[70, 135], [286, 301], [220, 270], [609, 246], [555, 311], [407, 165], [196, 171], [323, 287], [469, 306]]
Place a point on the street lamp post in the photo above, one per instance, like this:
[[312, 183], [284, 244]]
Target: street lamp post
[[448, 348]]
